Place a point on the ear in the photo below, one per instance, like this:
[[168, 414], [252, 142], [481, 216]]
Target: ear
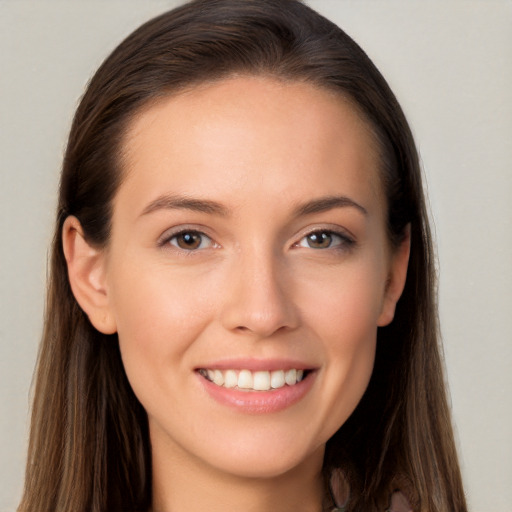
[[86, 273], [396, 279]]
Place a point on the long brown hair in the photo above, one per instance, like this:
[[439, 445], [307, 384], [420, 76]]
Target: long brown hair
[[89, 445]]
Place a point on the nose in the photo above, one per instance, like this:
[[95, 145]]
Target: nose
[[259, 297]]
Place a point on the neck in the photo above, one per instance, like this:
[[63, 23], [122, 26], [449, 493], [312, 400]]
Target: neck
[[185, 484]]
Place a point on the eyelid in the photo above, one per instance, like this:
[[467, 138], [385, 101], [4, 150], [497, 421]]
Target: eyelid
[[347, 239], [168, 235]]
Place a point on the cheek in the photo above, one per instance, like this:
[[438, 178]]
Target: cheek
[[154, 301], [348, 325], [158, 316], [345, 305], [343, 317]]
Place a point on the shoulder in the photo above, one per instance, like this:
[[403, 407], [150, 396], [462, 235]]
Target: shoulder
[[399, 503]]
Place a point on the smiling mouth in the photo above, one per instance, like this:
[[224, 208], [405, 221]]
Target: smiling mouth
[[247, 380]]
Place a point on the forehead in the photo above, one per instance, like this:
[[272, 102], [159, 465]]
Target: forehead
[[243, 131]]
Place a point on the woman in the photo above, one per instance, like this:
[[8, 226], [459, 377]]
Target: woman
[[241, 309]]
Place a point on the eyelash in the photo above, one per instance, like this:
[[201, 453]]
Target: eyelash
[[190, 233], [344, 242], [338, 241]]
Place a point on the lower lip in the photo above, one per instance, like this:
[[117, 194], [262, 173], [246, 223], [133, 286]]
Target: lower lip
[[259, 402]]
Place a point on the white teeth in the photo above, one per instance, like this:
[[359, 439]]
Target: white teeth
[[255, 381], [230, 379], [261, 381], [245, 379], [277, 379], [290, 377], [218, 378]]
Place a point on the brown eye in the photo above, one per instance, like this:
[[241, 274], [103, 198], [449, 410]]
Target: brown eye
[[190, 240], [320, 240], [325, 240]]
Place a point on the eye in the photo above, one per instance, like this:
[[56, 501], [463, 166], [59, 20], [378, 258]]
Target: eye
[[324, 239], [190, 240]]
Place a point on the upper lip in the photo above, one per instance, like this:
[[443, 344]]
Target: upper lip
[[254, 365]]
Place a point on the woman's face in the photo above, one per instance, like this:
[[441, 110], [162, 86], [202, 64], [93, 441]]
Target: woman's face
[[248, 271]]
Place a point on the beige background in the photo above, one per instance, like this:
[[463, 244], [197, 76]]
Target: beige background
[[450, 64]]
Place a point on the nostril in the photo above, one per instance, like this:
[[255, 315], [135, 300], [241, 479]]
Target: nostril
[[263, 331], [242, 328], [257, 309]]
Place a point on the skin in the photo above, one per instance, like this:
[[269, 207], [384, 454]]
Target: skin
[[256, 287]]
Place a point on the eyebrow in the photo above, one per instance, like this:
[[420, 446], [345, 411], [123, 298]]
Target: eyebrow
[[323, 204], [175, 202]]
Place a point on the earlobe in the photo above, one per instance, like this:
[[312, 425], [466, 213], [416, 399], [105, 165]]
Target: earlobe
[[86, 273], [396, 279]]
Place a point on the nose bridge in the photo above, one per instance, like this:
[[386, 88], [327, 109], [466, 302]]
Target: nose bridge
[[260, 298]]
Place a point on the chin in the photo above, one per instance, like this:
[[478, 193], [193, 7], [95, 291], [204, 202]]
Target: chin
[[270, 460]]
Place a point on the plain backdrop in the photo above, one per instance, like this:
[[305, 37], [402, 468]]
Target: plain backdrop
[[450, 64]]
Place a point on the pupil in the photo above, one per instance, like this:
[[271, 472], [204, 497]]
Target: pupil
[[190, 240], [321, 240]]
